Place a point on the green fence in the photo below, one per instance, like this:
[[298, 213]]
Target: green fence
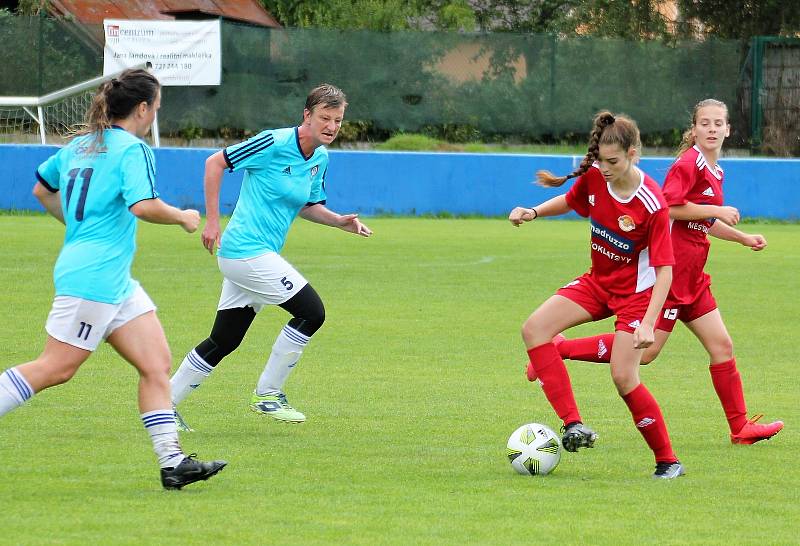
[[493, 86], [773, 71], [42, 55], [462, 86]]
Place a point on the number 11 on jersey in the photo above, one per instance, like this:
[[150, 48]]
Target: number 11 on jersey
[[86, 174]]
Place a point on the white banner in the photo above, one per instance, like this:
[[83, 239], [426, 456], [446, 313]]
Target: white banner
[[182, 52]]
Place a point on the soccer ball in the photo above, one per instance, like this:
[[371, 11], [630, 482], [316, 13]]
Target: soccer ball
[[534, 449]]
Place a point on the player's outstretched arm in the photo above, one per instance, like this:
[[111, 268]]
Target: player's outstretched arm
[[50, 201], [723, 231], [693, 211], [157, 211], [321, 214], [552, 207]]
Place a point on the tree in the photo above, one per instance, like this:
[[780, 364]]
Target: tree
[[632, 20], [635, 20], [741, 19], [539, 16], [381, 15]]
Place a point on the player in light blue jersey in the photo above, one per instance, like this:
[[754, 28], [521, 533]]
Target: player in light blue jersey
[[97, 186], [284, 176]]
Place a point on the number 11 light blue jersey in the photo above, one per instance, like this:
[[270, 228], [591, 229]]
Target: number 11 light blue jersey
[[97, 187], [278, 181]]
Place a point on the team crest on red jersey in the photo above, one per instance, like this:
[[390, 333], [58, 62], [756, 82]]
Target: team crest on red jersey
[[626, 223]]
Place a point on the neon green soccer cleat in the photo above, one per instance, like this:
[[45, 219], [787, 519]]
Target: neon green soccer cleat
[[180, 423], [276, 406]]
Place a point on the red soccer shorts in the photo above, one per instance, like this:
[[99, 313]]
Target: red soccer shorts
[[702, 304], [598, 302]]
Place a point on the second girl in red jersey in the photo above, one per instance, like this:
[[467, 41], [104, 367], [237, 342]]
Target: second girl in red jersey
[[630, 277], [693, 190]]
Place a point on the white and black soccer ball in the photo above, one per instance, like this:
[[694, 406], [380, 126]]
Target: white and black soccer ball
[[534, 449]]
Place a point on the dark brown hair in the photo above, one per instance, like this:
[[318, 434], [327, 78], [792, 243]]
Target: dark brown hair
[[329, 96], [688, 140], [117, 98], [606, 129]]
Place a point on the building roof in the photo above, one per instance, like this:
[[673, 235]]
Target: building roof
[[92, 12]]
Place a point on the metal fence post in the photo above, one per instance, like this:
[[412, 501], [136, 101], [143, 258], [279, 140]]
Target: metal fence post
[[756, 115]]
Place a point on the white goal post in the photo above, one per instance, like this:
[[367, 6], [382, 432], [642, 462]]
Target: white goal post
[[60, 109]]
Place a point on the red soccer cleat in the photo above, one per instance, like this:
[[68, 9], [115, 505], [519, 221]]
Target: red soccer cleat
[[752, 432], [558, 339]]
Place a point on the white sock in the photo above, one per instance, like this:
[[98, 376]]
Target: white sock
[[285, 353], [192, 371], [14, 390], [160, 424]]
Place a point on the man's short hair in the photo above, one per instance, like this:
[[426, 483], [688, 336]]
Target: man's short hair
[[329, 96]]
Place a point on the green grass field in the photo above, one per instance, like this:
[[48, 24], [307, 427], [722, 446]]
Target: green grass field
[[411, 388]]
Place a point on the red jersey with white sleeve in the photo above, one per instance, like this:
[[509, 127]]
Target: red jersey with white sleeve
[[629, 237], [691, 179]]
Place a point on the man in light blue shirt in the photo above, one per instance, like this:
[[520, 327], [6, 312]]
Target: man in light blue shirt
[[284, 177], [277, 173]]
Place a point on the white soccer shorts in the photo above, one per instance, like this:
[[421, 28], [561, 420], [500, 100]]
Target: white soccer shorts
[[267, 279], [85, 323]]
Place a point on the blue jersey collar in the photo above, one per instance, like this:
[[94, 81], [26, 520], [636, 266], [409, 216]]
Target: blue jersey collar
[[300, 148]]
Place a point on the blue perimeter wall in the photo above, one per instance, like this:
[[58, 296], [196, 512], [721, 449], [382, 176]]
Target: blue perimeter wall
[[422, 183]]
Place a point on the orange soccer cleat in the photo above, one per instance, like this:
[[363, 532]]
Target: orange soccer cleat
[[752, 432], [530, 372]]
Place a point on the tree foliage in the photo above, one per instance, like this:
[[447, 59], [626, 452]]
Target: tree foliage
[[380, 15], [372, 14], [614, 19], [742, 19], [631, 20], [640, 19]]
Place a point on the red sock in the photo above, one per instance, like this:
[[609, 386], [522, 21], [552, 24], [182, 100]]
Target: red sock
[[588, 349], [555, 381], [650, 422], [728, 384]]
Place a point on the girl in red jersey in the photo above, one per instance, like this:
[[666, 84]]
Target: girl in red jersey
[[693, 191], [630, 277]]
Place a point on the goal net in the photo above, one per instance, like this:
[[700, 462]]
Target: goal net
[[52, 118], [21, 124]]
